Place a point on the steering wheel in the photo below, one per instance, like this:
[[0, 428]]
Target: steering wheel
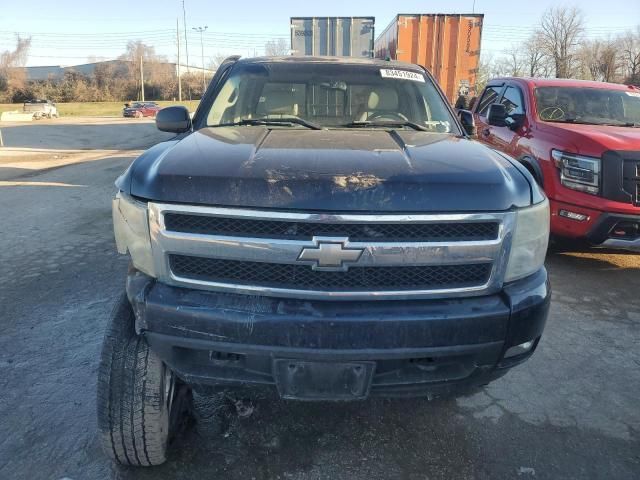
[[387, 116], [552, 113]]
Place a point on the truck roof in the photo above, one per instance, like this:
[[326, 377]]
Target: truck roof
[[341, 60], [563, 82]]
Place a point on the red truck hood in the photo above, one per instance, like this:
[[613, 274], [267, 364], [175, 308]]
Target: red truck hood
[[594, 139]]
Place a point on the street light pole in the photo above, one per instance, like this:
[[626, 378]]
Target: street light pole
[[201, 30]]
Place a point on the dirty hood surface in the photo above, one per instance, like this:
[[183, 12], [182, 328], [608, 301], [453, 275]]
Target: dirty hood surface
[[328, 170]]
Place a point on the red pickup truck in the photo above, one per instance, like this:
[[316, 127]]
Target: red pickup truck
[[581, 141]]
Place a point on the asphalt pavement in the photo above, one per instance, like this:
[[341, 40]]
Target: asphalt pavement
[[572, 411]]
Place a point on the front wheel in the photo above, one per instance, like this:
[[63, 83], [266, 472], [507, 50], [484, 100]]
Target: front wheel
[[139, 398]]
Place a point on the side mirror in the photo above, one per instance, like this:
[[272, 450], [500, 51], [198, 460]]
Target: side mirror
[[467, 121], [173, 119], [497, 115]]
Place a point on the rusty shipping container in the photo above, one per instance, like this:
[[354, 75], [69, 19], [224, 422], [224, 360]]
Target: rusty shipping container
[[332, 36], [448, 45]]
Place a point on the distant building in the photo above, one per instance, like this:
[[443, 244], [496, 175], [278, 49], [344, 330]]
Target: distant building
[[44, 73], [56, 72]]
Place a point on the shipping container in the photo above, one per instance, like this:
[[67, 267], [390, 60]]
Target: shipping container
[[332, 36], [448, 45]]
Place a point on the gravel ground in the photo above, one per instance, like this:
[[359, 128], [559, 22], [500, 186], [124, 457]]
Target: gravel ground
[[572, 411]]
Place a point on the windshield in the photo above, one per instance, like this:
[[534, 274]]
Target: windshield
[[329, 95], [597, 106]]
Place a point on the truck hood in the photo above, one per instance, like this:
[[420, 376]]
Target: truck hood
[[595, 139], [332, 170]]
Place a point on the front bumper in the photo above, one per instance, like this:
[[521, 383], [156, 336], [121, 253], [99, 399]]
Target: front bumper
[[599, 227], [417, 347], [610, 232]]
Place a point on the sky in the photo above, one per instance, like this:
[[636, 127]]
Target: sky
[[68, 32]]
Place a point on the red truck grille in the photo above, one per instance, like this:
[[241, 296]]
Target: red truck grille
[[631, 180], [621, 176]]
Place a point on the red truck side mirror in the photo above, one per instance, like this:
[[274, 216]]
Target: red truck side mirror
[[497, 115]]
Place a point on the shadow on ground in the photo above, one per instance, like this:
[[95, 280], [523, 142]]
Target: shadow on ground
[[89, 136]]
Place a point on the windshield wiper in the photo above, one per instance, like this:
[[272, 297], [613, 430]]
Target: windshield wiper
[[624, 124], [571, 120], [390, 124], [605, 124], [272, 121]]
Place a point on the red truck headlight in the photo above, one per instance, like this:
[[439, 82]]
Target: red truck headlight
[[578, 172]]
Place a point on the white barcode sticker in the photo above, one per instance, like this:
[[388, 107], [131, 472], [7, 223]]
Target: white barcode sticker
[[402, 75]]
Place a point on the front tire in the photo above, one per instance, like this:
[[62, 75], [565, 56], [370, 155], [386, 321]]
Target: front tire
[[139, 397]]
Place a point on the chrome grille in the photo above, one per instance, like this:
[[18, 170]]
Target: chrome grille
[[283, 275], [357, 232], [260, 252]]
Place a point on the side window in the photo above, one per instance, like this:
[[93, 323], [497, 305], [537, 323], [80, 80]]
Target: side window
[[512, 101], [489, 97], [224, 105]]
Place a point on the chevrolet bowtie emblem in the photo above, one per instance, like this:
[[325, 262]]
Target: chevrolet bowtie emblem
[[330, 255]]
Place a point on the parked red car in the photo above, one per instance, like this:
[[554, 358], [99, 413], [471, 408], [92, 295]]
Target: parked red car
[[581, 141], [141, 109]]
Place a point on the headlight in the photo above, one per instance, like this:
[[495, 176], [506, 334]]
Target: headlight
[[131, 228], [578, 172], [530, 240]]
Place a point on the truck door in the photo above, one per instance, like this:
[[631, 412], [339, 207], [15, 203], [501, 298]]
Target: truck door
[[506, 139], [491, 95]]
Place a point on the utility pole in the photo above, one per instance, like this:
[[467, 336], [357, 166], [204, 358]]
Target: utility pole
[[141, 80], [178, 70], [184, 24], [186, 44], [202, 30]]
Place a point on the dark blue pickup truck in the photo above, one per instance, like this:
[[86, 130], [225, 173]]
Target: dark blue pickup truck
[[325, 228]]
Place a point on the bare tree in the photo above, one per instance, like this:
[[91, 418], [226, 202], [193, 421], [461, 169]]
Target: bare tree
[[16, 58], [629, 47], [276, 48], [588, 56], [560, 31], [609, 64], [514, 61], [535, 60], [138, 53], [216, 60], [12, 74], [598, 60], [484, 73]]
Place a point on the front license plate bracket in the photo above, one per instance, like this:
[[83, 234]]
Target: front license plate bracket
[[304, 380]]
